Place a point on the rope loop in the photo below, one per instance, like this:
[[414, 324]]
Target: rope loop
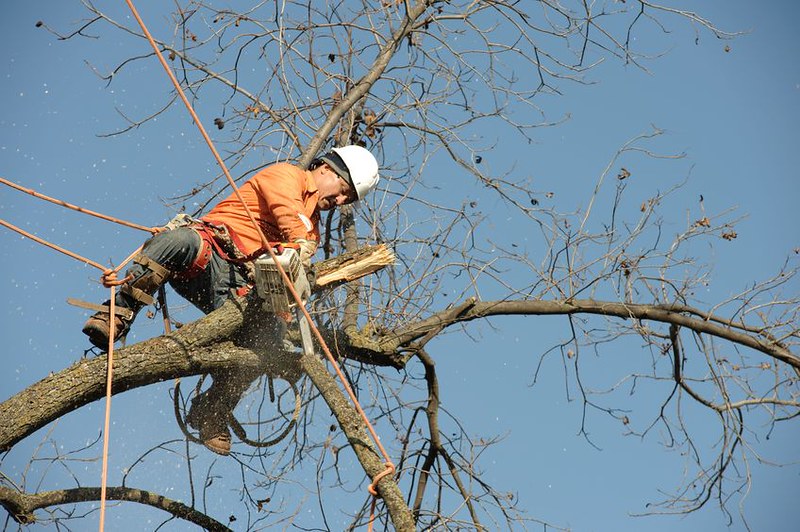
[[109, 279], [388, 471]]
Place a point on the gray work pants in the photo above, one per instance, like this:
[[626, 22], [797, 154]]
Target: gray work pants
[[176, 251]]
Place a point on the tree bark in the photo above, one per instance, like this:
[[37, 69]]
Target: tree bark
[[353, 426], [205, 346], [197, 348]]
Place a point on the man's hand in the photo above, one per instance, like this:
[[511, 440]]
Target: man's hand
[[307, 250]]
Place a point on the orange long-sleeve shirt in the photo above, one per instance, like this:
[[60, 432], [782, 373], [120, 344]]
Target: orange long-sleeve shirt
[[283, 199]]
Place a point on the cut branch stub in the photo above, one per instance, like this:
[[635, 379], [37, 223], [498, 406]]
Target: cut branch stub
[[351, 266]]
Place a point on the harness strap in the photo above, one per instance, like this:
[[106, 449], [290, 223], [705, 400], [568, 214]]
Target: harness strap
[[154, 277], [152, 265], [203, 255], [213, 236], [122, 312], [238, 253], [139, 295]]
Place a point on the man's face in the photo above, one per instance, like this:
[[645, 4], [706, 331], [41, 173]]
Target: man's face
[[333, 190]]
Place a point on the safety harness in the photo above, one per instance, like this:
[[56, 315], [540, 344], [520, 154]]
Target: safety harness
[[218, 237]]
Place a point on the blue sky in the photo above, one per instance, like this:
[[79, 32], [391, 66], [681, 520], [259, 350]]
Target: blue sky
[[734, 113]]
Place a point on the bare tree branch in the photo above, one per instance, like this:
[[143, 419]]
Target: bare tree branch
[[21, 506]]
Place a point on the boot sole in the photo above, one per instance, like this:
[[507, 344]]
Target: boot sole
[[97, 337]]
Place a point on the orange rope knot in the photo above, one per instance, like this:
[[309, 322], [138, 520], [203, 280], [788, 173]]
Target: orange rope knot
[[109, 279], [388, 471]]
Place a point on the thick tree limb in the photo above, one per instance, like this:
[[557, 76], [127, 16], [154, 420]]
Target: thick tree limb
[[204, 346], [22, 505], [198, 348], [357, 436], [209, 345]]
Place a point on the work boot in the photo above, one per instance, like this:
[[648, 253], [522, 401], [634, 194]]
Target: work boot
[[134, 295], [212, 424], [98, 327]]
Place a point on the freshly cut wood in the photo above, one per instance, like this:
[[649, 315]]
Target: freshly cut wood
[[351, 266]]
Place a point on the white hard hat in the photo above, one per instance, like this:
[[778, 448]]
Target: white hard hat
[[361, 167]]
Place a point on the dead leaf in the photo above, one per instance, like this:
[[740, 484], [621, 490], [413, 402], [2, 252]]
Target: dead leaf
[[703, 222], [260, 504]]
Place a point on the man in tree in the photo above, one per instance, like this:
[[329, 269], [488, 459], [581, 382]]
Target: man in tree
[[208, 260]]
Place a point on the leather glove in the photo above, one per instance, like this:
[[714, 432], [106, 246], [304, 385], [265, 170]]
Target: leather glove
[[307, 250]]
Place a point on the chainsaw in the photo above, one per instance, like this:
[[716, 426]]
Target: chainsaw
[[275, 296]]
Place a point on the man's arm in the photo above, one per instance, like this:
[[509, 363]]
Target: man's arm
[[282, 191]]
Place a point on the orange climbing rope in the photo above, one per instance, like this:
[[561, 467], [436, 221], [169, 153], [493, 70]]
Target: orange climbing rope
[[110, 281], [390, 468], [106, 271], [76, 208]]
